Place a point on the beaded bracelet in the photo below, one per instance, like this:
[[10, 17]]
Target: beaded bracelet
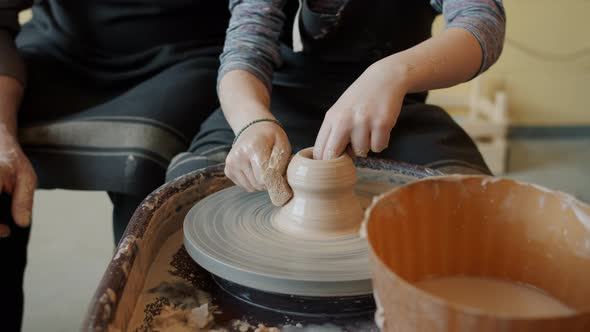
[[254, 122]]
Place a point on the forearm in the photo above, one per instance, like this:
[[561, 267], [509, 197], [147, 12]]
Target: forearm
[[244, 98], [452, 57], [252, 38], [484, 19], [250, 53], [11, 94], [10, 62]]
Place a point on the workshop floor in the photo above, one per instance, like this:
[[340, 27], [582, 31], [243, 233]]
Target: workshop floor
[[71, 241]]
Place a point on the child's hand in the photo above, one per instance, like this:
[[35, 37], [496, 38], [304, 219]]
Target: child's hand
[[259, 159], [364, 115]]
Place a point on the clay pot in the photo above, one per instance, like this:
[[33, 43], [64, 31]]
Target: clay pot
[[323, 203], [484, 227]]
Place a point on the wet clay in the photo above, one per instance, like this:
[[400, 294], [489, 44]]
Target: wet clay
[[324, 204], [309, 247], [497, 297]]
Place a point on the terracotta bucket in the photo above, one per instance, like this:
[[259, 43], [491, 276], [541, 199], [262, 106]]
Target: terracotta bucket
[[484, 227]]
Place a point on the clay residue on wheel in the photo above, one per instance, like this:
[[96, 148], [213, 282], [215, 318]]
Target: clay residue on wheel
[[126, 248], [179, 320], [173, 298]]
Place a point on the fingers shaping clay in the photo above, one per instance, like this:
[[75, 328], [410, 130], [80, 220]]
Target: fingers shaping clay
[[309, 247]]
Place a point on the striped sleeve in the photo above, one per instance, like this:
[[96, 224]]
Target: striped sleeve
[[252, 38], [485, 19], [10, 62]]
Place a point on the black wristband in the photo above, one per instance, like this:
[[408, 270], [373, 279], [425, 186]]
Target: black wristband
[[254, 122]]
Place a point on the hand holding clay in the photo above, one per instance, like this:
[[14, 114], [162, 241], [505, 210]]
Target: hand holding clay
[[258, 161], [17, 176], [363, 116]]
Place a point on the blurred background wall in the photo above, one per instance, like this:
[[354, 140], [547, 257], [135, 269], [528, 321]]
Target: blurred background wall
[[545, 66]]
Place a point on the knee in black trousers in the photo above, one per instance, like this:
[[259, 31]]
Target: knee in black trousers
[[124, 205]]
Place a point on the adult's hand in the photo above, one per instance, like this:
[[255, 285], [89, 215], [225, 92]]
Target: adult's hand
[[17, 176]]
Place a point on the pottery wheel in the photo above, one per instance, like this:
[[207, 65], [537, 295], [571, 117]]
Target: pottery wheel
[[231, 233]]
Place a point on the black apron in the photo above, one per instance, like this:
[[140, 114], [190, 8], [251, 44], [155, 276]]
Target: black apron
[[338, 48], [308, 83], [115, 89]]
